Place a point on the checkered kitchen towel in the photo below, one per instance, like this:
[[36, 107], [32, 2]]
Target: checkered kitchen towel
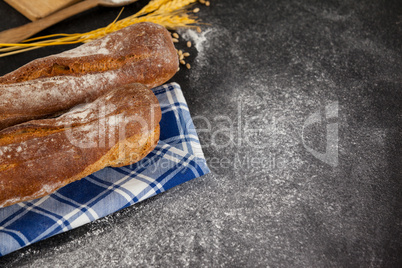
[[176, 159]]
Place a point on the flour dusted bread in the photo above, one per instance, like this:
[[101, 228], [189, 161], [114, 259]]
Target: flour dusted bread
[[40, 156], [142, 53]]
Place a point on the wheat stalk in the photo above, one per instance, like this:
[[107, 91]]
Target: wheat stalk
[[171, 14], [174, 5], [152, 6]]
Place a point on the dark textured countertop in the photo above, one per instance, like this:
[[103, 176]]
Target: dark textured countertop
[[298, 106]]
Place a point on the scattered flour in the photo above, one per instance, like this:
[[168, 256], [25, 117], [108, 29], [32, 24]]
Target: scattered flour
[[202, 43], [198, 39]]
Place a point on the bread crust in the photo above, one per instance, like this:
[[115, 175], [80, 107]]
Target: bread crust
[[40, 156], [142, 53]]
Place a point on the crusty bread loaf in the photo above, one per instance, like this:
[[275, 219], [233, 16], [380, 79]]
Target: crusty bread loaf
[[40, 156], [142, 53]]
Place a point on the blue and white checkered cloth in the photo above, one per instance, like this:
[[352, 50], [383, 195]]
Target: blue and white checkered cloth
[[176, 159]]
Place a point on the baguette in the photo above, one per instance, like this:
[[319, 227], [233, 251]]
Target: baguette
[[142, 53], [40, 156]]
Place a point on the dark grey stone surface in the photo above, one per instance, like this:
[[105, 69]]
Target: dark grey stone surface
[[262, 73]]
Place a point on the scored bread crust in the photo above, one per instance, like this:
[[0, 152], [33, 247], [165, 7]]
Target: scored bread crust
[[40, 156], [142, 53]]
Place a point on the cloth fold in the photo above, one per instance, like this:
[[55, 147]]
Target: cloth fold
[[177, 158]]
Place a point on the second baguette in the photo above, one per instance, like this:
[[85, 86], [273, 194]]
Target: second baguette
[[40, 156]]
